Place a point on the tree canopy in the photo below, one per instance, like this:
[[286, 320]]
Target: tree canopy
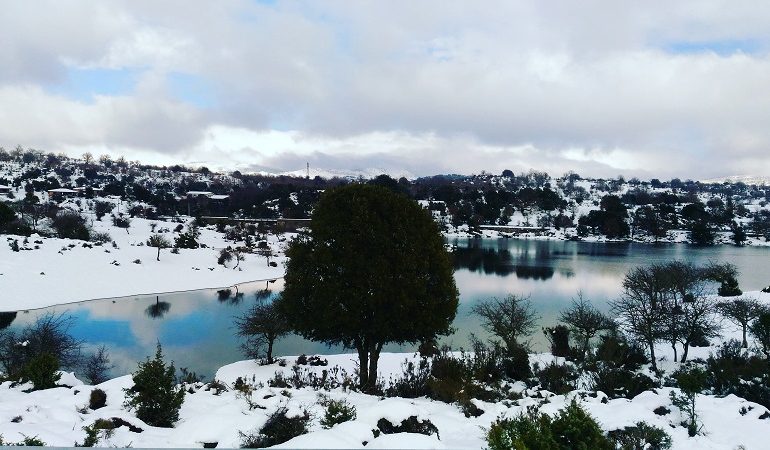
[[372, 271]]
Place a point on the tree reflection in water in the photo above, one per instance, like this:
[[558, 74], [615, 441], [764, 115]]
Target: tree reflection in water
[[158, 309]]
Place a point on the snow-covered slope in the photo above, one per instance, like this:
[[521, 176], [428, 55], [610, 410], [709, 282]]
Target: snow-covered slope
[[62, 270]]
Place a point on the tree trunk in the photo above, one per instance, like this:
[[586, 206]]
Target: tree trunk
[[158, 254], [652, 355], [363, 368], [673, 347], [686, 346], [745, 343], [270, 350], [374, 358]]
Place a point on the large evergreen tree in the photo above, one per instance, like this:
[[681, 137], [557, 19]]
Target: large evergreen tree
[[372, 271]]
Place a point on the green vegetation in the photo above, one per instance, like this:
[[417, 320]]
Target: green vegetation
[[154, 395], [373, 270]]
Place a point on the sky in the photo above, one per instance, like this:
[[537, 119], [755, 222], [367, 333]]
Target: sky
[[603, 88]]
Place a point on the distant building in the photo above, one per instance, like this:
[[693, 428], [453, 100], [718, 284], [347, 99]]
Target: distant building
[[205, 202], [60, 193], [82, 190], [4, 189]]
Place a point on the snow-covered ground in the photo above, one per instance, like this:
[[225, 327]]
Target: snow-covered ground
[[53, 271], [57, 416]]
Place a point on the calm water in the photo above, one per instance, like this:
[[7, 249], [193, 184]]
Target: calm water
[[196, 329]]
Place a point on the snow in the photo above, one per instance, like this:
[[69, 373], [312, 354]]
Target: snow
[[64, 271], [57, 415]]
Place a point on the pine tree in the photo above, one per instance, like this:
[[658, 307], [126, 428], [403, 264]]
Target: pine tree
[[154, 394]]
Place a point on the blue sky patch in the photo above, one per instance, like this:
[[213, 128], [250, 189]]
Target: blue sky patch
[[722, 48], [191, 89], [85, 84]]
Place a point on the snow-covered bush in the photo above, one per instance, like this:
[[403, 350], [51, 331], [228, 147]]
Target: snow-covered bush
[[618, 382], [557, 378], [336, 411], [640, 436], [278, 429]]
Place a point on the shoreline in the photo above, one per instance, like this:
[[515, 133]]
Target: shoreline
[[179, 291]]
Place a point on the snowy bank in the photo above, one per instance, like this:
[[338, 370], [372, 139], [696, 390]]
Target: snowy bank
[[57, 416], [53, 271]]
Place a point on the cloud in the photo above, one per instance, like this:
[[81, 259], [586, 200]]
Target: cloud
[[601, 88]]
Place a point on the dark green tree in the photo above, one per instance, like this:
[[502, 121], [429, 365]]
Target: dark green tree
[[701, 233], [373, 270], [154, 395], [739, 235]]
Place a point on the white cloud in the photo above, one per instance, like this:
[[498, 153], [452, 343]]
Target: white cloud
[[436, 86]]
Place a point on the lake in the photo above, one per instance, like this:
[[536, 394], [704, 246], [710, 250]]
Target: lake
[[196, 328]]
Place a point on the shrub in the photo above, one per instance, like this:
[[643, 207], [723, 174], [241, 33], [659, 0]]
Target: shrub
[[619, 382], [278, 429], [447, 378], [557, 378], [530, 430], [641, 436], [70, 225], [121, 222], [29, 441], [102, 238], [43, 371], [413, 381], [408, 425], [558, 336], [97, 399], [615, 351], [691, 381], [732, 371], [154, 394], [517, 363], [187, 240], [336, 412], [572, 428]]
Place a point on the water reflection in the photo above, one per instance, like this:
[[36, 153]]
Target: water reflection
[[158, 309], [6, 319], [196, 328]]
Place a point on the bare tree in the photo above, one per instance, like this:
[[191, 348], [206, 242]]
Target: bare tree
[[261, 326], [97, 366], [639, 307], [584, 320], [741, 311], [669, 302], [49, 334], [760, 330], [507, 318]]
